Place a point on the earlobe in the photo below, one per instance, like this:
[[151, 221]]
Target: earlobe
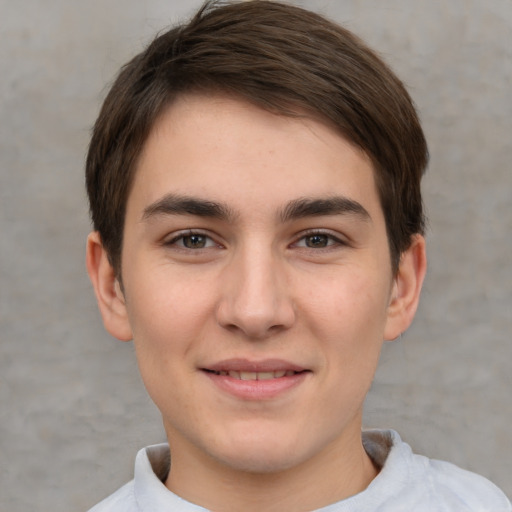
[[110, 297], [406, 289]]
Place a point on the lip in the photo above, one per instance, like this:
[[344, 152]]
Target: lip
[[289, 376], [246, 365]]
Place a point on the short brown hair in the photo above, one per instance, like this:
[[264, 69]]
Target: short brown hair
[[279, 57]]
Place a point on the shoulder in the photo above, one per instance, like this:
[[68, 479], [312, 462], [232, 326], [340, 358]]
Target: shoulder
[[147, 490], [408, 481], [468, 490], [123, 500], [151, 466]]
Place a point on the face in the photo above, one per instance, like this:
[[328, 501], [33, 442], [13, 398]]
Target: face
[[257, 284]]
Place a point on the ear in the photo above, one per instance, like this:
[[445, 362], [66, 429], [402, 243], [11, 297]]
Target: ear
[[109, 295], [405, 293]]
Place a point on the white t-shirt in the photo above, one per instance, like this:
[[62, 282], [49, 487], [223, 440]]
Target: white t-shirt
[[406, 483]]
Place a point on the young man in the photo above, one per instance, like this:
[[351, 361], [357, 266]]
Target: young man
[[254, 181]]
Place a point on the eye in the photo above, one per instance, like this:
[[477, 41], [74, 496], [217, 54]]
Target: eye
[[195, 241], [191, 241], [318, 240]]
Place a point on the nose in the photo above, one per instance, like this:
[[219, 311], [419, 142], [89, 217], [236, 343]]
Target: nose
[[255, 298]]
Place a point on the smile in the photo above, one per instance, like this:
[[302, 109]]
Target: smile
[[249, 375], [256, 380]]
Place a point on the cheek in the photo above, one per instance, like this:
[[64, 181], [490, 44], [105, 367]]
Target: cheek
[[166, 305], [350, 306], [166, 328], [168, 321]]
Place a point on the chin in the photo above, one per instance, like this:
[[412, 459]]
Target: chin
[[259, 461], [263, 452]]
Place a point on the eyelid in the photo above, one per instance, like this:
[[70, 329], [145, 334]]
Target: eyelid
[[339, 240], [335, 238], [172, 239]]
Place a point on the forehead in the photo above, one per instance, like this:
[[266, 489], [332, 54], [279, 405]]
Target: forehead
[[230, 150]]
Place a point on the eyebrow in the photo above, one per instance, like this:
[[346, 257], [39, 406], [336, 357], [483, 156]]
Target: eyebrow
[[311, 207], [173, 204]]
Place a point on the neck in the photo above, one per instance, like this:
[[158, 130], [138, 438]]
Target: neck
[[341, 470]]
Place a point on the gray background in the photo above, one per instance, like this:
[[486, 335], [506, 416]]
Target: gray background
[[73, 411]]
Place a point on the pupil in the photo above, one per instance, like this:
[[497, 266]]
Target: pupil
[[194, 241], [317, 241]]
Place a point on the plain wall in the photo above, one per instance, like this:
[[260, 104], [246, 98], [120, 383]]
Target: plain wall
[[73, 410]]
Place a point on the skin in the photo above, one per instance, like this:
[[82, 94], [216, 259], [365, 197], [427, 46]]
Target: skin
[[269, 273]]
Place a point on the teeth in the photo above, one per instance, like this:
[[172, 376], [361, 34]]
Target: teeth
[[266, 375], [248, 376], [243, 375]]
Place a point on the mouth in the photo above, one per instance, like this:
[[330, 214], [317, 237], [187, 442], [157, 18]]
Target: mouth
[[252, 375], [256, 380]]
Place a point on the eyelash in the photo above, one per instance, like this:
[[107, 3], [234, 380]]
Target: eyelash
[[182, 236], [332, 241]]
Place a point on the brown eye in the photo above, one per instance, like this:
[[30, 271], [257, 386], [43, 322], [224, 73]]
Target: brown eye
[[190, 241], [195, 241], [317, 241]]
